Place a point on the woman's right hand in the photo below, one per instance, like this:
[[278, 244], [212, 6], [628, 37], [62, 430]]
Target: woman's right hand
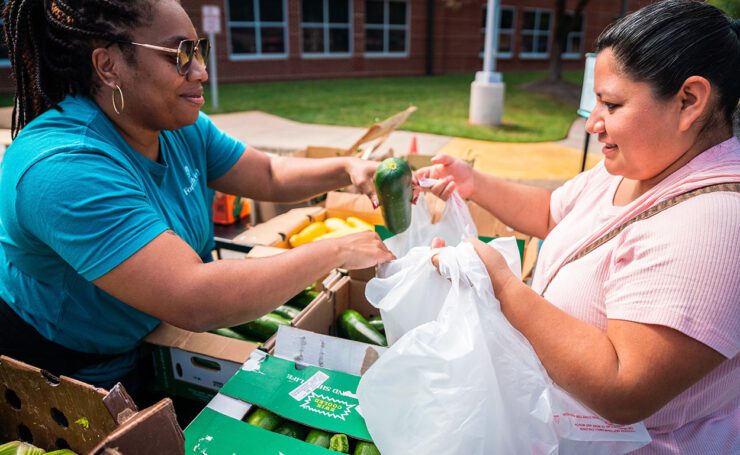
[[362, 250], [452, 173]]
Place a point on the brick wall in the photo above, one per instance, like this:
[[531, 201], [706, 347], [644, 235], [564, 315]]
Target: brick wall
[[456, 48]]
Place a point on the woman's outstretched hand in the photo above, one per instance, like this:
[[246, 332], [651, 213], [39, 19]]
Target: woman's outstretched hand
[[452, 173]]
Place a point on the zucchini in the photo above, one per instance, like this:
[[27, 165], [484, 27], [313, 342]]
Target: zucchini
[[377, 323], [393, 186], [339, 443], [287, 311], [292, 429], [366, 448], [264, 419], [318, 438], [304, 298], [262, 328], [228, 333], [354, 326]]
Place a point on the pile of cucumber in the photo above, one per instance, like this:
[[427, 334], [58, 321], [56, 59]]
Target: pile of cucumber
[[337, 442], [261, 329], [353, 326]]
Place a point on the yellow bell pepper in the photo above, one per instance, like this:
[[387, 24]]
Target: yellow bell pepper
[[339, 233], [308, 234], [359, 223], [336, 224]]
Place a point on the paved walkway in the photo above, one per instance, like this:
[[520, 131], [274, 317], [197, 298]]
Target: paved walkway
[[544, 163]]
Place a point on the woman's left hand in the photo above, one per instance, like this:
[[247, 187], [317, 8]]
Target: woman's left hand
[[496, 265], [499, 271], [362, 174]]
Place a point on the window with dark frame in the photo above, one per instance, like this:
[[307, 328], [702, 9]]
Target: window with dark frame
[[386, 27], [325, 27], [536, 26], [506, 29], [574, 41], [257, 28]]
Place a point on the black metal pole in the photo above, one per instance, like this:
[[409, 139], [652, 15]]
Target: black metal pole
[[430, 38], [585, 151], [623, 9]]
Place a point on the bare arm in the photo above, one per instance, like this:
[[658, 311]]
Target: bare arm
[[625, 374], [171, 283], [525, 208], [522, 207], [269, 177]]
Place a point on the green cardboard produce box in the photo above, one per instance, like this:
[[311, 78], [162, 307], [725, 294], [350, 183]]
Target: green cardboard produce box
[[315, 397]]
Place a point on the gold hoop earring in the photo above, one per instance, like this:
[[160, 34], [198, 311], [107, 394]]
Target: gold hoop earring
[[113, 100]]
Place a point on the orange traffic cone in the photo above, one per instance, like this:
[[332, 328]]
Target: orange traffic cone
[[412, 148]]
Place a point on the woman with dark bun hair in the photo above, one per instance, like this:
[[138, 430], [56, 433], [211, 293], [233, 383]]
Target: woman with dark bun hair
[[635, 304], [105, 216]]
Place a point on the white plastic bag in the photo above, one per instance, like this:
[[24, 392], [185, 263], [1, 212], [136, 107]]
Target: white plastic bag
[[463, 380], [454, 226]]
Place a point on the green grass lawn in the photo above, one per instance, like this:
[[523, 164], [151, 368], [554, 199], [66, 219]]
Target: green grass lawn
[[442, 103]]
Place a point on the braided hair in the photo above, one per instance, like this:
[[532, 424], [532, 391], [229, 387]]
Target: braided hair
[[50, 43]]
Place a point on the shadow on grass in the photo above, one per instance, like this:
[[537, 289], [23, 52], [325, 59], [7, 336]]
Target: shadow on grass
[[514, 128]]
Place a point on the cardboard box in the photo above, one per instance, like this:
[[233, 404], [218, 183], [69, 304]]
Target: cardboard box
[[367, 143], [196, 365], [60, 412], [345, 293], [316, 397], [276, 231], [365, 146]]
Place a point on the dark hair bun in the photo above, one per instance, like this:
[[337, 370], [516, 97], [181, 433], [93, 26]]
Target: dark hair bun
[[666, 42]]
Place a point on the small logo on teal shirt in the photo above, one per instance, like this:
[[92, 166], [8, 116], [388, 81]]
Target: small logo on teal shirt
[[192, 178]]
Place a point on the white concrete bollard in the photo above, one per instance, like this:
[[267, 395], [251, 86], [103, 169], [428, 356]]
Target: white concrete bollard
[[486, 102]]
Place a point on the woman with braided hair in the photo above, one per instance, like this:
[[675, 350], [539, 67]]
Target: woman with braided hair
[[106, 191]]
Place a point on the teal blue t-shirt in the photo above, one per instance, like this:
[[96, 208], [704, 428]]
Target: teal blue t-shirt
[[77, 201]]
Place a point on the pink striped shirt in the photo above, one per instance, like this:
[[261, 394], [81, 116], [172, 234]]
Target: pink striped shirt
[[680, 269]]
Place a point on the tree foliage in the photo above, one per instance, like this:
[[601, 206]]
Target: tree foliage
[[731, 7]]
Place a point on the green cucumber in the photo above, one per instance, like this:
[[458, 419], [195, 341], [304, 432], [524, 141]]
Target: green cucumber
[[292, 429], [318, 438], [304, 298], [287, 311], [377, 324], [354, 326], [264, 419], [366, 448], [262, 328], [228, 333], [339, 443], [393, 186]]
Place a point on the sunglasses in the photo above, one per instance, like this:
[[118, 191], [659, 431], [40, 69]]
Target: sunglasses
[[187, 51]]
